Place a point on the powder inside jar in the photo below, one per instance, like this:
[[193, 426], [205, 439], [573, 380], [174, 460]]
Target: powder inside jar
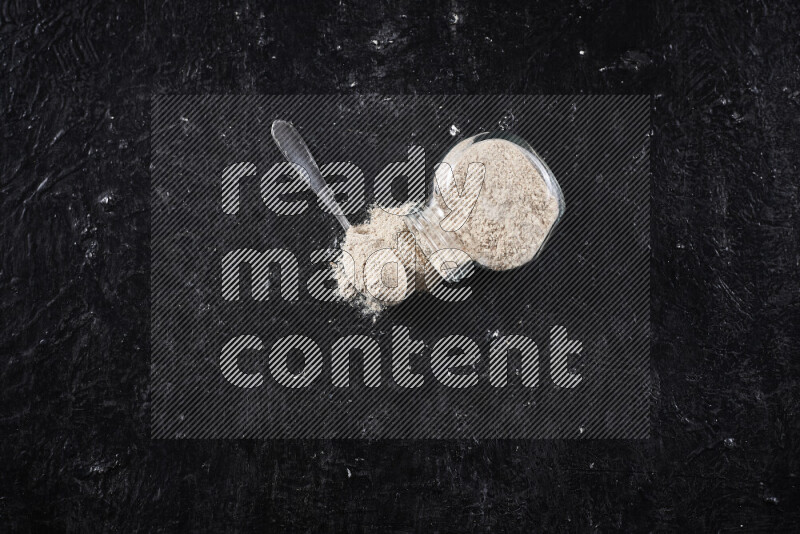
[[515, 208]]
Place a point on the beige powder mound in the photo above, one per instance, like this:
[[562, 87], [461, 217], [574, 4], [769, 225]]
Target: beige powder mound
[[378, 287], [515, 208]]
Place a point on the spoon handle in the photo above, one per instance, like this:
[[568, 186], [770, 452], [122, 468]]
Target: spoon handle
[[294, 149]]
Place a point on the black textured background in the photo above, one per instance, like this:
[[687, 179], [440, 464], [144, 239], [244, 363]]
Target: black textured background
[[76, 86]]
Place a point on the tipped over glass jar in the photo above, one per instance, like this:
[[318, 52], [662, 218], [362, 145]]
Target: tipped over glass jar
[[494, 202]]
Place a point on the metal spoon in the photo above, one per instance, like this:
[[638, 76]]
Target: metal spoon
[[294, 149]]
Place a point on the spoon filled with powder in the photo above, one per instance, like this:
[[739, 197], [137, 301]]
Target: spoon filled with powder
[[365, 266]]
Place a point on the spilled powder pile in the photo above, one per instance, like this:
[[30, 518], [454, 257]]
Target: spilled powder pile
[[506, 227], [372, 285]]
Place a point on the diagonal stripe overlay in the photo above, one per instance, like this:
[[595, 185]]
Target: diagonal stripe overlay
[[249, 339]]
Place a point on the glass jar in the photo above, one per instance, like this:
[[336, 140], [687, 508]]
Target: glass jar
[[501, 214]]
